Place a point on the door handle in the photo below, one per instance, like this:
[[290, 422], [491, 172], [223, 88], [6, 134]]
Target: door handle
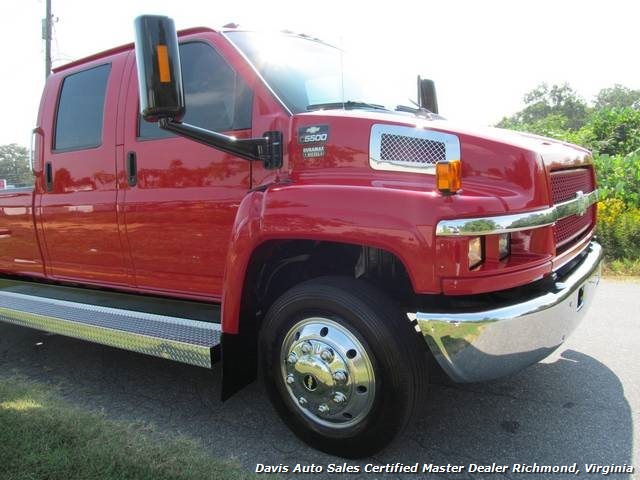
[[48, 176], [132, 169]]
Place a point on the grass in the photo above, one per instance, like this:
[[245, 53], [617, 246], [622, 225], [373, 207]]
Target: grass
[[621, 268], [43, 438]]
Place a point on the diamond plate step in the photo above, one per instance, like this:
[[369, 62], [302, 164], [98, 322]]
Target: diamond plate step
[[179, 339]]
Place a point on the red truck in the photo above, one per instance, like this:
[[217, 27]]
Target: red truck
[[220, 196]]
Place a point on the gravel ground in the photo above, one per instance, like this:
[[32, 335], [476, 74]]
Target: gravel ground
[[580, 405]]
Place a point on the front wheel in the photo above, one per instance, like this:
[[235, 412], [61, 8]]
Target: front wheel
[[342, 365]]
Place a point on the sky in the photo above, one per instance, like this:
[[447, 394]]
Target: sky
[[483, 55]]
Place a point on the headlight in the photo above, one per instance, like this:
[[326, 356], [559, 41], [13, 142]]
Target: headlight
[[476, 252], [504, 245]]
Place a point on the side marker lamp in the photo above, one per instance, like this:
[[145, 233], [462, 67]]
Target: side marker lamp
[[449, 176]]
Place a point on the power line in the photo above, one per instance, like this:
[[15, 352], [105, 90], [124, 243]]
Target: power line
[[58, 56]]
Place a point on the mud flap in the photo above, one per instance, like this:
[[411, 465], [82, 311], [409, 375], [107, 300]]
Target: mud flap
[[239, 362]]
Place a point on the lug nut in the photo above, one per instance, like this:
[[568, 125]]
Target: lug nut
[[302, 401], [290, 379], [323, 408], [292, 358], [340, 376], [306, 347], [339, 398], [327, 355]]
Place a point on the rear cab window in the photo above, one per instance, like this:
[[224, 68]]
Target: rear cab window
[[79, 118]]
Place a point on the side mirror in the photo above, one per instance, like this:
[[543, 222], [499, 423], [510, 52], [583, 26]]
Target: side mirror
[[162, 94], [427, 95], [159, 72]]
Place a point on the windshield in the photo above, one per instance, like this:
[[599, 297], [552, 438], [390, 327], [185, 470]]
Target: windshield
[[308, 75]]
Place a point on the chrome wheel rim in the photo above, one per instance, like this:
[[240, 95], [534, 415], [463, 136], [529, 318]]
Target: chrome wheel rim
[[327, 373]]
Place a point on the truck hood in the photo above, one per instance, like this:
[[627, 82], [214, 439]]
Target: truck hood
[[510, 167], [556, 154]]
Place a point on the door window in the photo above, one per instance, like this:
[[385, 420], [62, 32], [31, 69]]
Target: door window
[[216, 97]]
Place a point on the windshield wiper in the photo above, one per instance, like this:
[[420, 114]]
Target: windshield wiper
[[346, 105], [420, 111]]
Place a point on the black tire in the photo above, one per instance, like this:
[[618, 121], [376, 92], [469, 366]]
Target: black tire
[[396, 352]]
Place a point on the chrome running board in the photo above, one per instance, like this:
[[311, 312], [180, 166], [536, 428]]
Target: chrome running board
[[180, 339]]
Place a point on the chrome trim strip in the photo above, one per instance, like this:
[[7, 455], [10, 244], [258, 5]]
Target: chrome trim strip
[[178, 339], [451, 142], [478, 346], [518, 221], [258, 74]]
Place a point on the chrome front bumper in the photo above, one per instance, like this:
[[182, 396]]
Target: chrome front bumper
[[473, 347]]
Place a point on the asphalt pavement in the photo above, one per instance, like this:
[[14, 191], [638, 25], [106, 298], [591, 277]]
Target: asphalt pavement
[[580, 405]]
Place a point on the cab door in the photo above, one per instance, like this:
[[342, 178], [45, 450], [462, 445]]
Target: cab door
[[182, 197], [77, 207]]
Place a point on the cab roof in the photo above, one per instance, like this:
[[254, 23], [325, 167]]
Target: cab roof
[[181, 33], [123, 48]]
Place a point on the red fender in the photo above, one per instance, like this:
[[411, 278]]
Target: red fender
[[365, 215]]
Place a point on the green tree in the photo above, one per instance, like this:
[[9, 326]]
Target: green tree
[[14, 165], [617, 96], [615, 131], [561, 101]]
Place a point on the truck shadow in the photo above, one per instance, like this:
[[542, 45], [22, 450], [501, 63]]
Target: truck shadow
[[571, 409]]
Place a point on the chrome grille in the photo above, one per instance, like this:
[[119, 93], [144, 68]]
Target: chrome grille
[[411, 150], [564, 186]]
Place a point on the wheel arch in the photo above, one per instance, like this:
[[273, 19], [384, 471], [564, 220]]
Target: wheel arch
[[277, 265], [276, 225]]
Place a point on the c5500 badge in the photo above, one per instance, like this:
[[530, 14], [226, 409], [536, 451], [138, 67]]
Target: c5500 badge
[[313, 137], [313, 134]]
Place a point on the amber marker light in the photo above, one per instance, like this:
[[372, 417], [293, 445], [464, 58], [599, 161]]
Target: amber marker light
[[163, 64], [449, 176]]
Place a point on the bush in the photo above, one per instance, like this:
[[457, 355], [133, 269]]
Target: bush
[[623, 266], [619, 177], [618, 230]]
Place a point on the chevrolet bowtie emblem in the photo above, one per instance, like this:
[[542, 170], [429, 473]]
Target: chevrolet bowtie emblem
[[581, 202], [310, 382], [312, 130]]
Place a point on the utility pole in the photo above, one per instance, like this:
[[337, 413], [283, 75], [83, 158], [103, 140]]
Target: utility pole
[[46, 36]]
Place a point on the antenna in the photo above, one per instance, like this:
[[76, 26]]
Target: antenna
[[342, 71]]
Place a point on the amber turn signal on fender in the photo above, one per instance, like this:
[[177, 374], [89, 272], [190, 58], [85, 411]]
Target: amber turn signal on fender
[[449, 176]]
